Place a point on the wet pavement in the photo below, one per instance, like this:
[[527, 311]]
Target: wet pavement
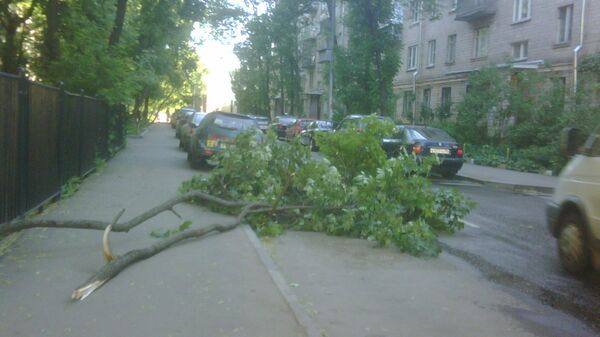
[[506, 237]]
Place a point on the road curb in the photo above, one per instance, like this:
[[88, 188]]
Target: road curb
[[511, 187], [310, 328]]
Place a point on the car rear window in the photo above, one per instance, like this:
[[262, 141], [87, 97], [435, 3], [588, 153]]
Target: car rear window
[[198, 118], [430, 134], [233, 123], [304, 123]]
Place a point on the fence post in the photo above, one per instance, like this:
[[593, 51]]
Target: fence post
[[23, 143], [81, 133], [62, 103]]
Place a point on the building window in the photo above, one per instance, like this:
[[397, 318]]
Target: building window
[[435, 10], [407, 107], [522, 10], [565, 16], [446, 103], [427, 98], [520, 50], [481, 42], [415, 11], [431, 53], [412, 57], [451, 49]]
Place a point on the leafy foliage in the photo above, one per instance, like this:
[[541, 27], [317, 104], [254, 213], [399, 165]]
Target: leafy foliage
[[390, 204], [513, 119], [365, 70], [165, 233]]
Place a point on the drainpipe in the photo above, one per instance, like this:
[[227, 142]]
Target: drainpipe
[[414, 112], [578, 48]]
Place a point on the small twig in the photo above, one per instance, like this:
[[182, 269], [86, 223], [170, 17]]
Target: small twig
[[172, 209]]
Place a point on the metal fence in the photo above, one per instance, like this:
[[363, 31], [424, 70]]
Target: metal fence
[[47, 136]]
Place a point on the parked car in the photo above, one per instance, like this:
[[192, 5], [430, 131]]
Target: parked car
[[307, 137], [188, 128], [280, 125], [178, 114], [392, 144], [573, 214], [262, 121], [297, 127], [184, 117], [215, 133], [426, 141]]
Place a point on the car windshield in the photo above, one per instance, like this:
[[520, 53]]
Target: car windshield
[[234, 123]]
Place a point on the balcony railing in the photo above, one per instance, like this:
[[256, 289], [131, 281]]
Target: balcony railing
[[470, 10]]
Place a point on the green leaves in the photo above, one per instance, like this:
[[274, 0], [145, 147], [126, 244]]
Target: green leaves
[[391, 202], [165, 233]]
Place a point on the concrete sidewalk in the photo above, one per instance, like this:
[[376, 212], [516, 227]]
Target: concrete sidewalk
[[508, 179], [211, 287]]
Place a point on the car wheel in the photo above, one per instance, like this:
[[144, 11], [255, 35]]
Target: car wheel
[[572, 245], [449, 174]]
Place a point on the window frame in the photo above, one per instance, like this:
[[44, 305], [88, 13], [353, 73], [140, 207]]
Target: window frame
[[451, 51], [565, 24], [518, 10], [412, 56], [431, 53], [523, 47], [479, 52]]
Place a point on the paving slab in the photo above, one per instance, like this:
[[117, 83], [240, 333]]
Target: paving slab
[[351, 289], [211, 287]]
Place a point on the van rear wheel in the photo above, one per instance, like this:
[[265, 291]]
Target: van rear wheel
[[573, 250]]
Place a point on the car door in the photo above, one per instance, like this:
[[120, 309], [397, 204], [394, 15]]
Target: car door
[[589, 175]]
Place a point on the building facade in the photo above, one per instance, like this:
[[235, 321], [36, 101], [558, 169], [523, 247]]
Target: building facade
[[315, 44], [443, 46]]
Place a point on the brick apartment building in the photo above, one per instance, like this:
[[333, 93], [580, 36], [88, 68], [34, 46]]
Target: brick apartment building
[[443, 46], [315, 44]]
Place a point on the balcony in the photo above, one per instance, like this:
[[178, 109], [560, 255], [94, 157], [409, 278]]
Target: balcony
[[471, 10]]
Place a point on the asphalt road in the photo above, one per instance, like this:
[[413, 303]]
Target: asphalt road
[[507, 239]]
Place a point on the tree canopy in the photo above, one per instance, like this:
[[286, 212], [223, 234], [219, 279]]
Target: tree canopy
[[137, 52]]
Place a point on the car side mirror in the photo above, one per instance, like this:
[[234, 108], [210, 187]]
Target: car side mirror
[[570, 141]]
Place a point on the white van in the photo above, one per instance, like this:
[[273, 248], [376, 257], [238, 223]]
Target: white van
[[574, 211]]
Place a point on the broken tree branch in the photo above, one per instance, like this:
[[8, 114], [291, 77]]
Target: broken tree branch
[[119, 263], [17, 226]]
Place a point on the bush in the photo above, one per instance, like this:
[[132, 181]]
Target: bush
[[390, 204]]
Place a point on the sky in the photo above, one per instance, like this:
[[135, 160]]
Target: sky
[[219, 60]]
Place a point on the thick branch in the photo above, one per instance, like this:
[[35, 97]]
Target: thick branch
[[114, 267], [17, 226]]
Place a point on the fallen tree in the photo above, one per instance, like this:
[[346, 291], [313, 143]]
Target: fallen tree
[[275, 186]]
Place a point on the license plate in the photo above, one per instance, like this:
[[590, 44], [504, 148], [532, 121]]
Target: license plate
[[439, 151], [211, 143]]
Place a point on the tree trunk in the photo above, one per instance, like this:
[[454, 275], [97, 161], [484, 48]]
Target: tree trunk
[[115, 35], [51, 46], [10, 60]]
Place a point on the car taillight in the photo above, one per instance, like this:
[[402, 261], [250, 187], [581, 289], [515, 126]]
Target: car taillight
[[417, 148], [459, 151]]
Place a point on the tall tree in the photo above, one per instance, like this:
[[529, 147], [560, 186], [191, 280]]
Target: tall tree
[[366, 69], [13, 29]]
